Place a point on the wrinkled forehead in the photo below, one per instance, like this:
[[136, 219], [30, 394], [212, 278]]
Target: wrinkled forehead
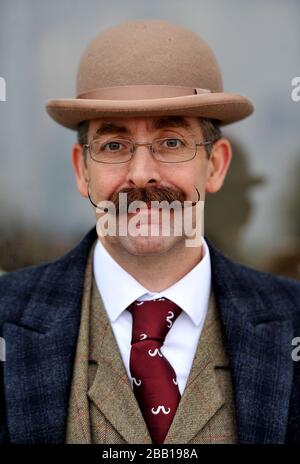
[[129, 126]]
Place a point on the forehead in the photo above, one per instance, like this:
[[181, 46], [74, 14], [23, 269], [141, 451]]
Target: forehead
[[150, 124]]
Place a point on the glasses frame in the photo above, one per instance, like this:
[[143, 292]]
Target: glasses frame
[[149, 144]]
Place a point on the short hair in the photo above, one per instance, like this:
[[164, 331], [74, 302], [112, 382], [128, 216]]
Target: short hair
[[82, 132], [210, 130]]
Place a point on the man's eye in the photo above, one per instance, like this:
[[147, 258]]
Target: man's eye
[[113, 146], [172, 143]]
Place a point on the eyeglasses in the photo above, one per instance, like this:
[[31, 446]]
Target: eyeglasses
[[167, 150]]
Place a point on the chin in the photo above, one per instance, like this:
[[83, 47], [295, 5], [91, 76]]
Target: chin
[[147, 246]]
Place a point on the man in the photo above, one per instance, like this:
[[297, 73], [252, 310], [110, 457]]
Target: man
[[135, 337]]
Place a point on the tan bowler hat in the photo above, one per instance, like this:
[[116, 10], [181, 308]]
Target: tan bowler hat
[[148, 68]]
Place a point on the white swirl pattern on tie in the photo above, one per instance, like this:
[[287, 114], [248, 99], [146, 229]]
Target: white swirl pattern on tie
[[155, 352], [168, 319], [137, 382], [162, 409]]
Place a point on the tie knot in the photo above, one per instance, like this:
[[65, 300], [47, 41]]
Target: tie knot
[[152, 319]]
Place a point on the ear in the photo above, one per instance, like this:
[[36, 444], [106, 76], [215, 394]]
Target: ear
[[218, 165], [80, 169]]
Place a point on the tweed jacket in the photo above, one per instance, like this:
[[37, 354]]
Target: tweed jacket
[[40, 310], [102, 406]]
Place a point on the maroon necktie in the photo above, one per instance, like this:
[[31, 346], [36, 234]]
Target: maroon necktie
[[154, 379]]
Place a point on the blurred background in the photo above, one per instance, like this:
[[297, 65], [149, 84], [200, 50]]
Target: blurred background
[[254, 218]]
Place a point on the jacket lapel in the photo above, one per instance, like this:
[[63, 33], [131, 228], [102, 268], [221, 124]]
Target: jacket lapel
[[111, 391], [202, 396], [40, 351], [258, 336]]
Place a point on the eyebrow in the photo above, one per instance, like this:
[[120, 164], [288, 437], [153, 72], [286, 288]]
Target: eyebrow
[[171, 121], [108, 128]]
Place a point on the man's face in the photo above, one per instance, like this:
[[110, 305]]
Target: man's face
[[143, 171]]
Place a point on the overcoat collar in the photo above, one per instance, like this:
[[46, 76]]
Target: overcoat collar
[[40, 350]]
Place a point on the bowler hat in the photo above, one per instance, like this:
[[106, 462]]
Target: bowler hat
[[148, 68]]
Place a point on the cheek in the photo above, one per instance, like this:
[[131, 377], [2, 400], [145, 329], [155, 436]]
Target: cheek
[[187, 176], [104, 181]]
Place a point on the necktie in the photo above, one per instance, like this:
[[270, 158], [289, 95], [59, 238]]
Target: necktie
[[154, 379]]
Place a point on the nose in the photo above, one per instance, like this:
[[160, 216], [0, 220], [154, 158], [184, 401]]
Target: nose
[[143, 168]]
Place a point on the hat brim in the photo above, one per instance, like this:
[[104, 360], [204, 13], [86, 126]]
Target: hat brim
[[225, 107]]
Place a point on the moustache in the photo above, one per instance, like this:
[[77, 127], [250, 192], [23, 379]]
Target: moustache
[[147, 195]]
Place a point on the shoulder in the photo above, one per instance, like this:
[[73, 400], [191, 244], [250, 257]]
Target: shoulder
[[277, 292], [17, 288], [267, 281]]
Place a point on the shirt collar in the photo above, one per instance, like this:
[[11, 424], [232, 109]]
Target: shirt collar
[[191, 292]]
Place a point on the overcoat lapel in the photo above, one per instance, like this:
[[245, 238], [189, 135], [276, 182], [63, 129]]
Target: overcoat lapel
[[40, 351], [258, 336]]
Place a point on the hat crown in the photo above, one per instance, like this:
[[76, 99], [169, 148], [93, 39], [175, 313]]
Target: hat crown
[[148, 52]]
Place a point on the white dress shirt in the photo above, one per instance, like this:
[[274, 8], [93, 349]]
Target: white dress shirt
[[191, 293]]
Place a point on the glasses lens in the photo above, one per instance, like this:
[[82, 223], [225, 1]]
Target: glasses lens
[[174, 150], [111, 151]]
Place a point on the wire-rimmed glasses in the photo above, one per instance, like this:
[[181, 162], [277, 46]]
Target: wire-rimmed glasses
[[165, 150]]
